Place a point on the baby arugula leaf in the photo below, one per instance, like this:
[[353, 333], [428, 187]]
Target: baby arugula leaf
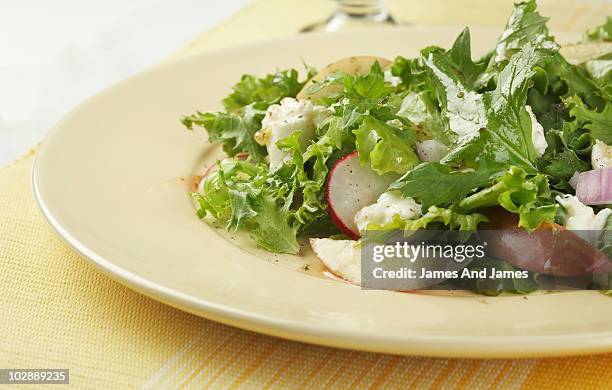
[[435, 184], [499, 132], [525, 26]]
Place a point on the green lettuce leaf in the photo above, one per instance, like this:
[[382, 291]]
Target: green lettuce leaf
[[412, 72], [311, 205], [499, 127], [435, 184], [243, 196], [600, 33], [447, 217], [235, 132], [458, 60], [264, 91], [563, 165], [566, 80], [599, 124], [605, 241], [434, 215], [529, 197], [496, 286], [422, 110], [385, 147], [525, 26]]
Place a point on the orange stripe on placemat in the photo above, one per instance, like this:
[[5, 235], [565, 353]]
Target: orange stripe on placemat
[[257, 362], [339, 371], [279, 373], [318, 367], [423, 368], [469, 374], [205, 363], [168, 364], [191, 356], [360, 378], [585, 372], [227, 364], [384, 373], [515, 377], [443, 375], [501, 373]]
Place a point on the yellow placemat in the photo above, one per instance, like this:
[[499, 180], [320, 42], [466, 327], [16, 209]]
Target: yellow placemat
[[57, 311]]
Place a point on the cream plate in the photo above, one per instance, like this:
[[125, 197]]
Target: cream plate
[[112, 179]]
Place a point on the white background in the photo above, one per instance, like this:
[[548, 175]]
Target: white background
[[55, 53]]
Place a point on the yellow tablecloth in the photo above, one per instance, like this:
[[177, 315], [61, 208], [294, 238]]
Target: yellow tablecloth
[[56, 311]]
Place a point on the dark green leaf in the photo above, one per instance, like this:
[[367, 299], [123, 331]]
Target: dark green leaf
[[435, 184]]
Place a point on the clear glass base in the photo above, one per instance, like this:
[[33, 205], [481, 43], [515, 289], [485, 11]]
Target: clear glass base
[[345, 19]]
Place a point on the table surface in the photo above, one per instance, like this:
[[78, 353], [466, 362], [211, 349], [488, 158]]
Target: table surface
[[57, 53], [57, 311]]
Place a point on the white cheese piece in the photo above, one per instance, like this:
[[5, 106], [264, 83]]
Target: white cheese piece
[[601, 155], [431, 150], [580, 216], [393, 80], [385, 209], [465, 109], [537, 133], [598, 68], [283, 119], [413, 108]]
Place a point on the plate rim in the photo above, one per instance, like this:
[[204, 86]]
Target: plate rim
[[421, 344]]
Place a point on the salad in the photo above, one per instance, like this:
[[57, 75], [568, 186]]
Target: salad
[[519, 139]]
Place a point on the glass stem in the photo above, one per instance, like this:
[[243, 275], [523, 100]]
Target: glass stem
[[363, 9]]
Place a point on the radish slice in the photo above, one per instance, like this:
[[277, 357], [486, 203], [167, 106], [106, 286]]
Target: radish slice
[[351, 187], [595, 187]]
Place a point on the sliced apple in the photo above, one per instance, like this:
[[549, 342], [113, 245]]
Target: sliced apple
[[351, 187], [341, 257], [579, 53], [351, 65]]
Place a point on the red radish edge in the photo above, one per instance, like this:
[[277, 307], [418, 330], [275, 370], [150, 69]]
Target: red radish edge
[[350, 187], [335, 217]]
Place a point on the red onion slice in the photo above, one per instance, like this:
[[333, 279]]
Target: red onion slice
[[574, 180], [595, 187]]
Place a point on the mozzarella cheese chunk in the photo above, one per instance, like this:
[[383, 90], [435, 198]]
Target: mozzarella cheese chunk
[[537, 133], [393, 80], [283, 119], [385, 209], [601, 155], [414, 109], [431, 150], [580, 216], [465, 109], [599, 68]]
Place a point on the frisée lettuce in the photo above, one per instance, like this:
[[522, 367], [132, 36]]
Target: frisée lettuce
[[511, 129]]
